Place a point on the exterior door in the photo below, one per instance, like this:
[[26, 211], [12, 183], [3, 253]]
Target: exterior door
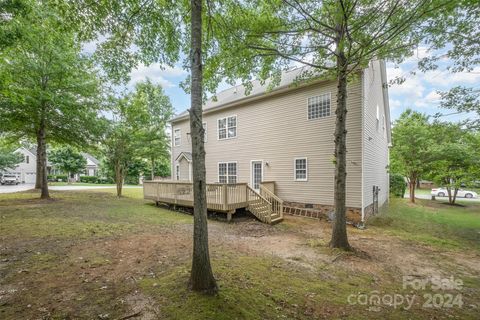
[[257, 174]]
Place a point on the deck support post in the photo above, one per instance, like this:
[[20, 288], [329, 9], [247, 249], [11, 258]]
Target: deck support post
[[225, 197], [229, 215]]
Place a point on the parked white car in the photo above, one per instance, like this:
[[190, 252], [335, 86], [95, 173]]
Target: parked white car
[[9, 179], [442, 192]]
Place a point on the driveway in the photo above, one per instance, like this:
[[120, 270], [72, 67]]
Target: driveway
[[16, 188], [25, 187]]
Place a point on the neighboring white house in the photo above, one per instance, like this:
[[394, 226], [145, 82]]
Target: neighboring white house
[[92, 165], [285, 136], [27, 169]]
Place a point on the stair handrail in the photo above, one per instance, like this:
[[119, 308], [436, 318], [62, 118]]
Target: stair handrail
[[275, 200], [266, 219]]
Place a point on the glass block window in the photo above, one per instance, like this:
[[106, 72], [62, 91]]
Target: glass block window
[[227, 127], [319, 106], [227, 172], [177, 137], [301, 173]]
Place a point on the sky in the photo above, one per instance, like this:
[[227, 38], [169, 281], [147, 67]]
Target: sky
[[418, 91]]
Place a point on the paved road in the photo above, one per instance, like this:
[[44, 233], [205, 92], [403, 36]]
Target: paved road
[[428, 197], [67, 188], [25, 187], [16, 188]]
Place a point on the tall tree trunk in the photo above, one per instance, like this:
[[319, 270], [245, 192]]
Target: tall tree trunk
[[449, 193], [201, 277], [411, 185], [339, 232], [119, 178], [153, 168], [38, 174], [455, 192], [42, 161]]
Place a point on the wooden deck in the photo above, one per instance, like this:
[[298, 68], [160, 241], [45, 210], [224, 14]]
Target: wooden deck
[[220, 197]]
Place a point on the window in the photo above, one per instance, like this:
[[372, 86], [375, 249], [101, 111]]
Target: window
[[227, 172], [177, 172], [319, 106], [27, 159], [227, 127], [177, 137], [301, 173], [204, 132]]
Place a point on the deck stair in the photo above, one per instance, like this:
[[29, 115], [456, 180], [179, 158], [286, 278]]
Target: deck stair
[[265, 205]]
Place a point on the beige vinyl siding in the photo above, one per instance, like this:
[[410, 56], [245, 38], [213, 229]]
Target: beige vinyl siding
[[276, 130], [184, 169], [375, 141]]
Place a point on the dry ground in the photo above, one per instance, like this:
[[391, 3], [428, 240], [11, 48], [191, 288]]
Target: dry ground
[[88, 255]]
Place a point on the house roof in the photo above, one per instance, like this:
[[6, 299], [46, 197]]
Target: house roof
[[91, 158], [235, 94], [187, 155], [32, 150]]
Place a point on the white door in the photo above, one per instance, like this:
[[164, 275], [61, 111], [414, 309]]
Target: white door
[[257, 174]]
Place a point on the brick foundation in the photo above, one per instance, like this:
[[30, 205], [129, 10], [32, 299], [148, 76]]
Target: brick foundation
[[319, 211]]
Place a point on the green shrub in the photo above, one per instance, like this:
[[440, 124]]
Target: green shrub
[[131, 180], [88, 179], [51, 177], [61, 178], [397, 185], [104, 180]]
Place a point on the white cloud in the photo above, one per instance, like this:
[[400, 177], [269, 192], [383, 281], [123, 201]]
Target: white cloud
[[433, 97], [411, 88], [394, 104], [157, 74], [447, 79]]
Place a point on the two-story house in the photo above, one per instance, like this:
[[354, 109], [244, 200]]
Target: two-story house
[[26, 170], [285, 137]]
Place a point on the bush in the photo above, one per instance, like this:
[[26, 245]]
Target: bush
[[131, 180], [397, 185], [88, 179], [51, 178], [61, 178], [103, 180]]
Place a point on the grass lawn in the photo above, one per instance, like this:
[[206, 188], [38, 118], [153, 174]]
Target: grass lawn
[[89, 255]]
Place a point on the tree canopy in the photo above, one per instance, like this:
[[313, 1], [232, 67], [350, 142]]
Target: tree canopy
[[411, 153], [49, 91], [68, 160], [8, 158]]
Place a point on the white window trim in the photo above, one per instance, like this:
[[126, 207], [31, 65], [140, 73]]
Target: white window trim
[[226, 127], [227, 162], [205, 135], [179, 139], [295, 168], [326, 117]]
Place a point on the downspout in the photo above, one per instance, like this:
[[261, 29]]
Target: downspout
[[363, 145], [172, 165]]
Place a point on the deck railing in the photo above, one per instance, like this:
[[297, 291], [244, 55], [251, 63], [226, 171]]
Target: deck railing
[[221, 197], [277, 203]]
